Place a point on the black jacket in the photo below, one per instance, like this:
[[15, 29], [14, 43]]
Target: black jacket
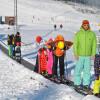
[[10, 39]]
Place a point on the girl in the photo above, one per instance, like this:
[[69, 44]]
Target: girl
[[49, 58]]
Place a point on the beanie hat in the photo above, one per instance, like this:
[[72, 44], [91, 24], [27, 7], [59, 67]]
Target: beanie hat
[[85, 22]]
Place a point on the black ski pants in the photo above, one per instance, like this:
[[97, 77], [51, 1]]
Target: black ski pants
[[61, 65]]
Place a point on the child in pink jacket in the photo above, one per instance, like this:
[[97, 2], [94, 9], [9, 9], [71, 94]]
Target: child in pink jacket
[[49, 58]]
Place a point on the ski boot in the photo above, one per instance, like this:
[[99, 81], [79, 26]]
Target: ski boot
[[87, 89], [49, 76], [56, 80], [44, 73], [64, 80], [97, 95], [78, 87]]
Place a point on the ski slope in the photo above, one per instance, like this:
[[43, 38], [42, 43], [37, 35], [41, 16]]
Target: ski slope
[[15, 84], [43, 22], [46, 13]]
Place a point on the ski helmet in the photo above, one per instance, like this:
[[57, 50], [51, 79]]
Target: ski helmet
[[38, 39], [59, 38]]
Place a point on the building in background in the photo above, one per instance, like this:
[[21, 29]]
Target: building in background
[[10, 20]]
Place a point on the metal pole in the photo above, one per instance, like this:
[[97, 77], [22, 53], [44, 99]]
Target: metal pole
[[16, 18]]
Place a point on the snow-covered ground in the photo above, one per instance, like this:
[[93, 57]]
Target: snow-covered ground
[[15, 84], [37, 17]]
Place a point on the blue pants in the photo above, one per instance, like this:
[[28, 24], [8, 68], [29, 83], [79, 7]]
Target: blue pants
[[82, 65]]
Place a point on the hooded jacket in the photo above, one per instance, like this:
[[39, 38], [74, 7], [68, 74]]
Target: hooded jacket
[[85, 43]]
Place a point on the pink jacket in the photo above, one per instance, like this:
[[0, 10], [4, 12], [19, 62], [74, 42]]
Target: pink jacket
[[50, 61]]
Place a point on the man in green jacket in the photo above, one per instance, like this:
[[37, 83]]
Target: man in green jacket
[[84, 50]]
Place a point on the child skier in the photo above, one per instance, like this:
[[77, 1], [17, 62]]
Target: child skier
[[10, 46], [42, 61], [13, 45], [49, 57], [59, 54], [96, 88], [18, 47], [17, 39], [38, 43]]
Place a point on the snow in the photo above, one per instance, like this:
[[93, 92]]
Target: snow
[[15, 82]]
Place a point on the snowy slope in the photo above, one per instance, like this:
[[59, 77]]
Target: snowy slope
[[46, 13], [15, 84], [42, 24], [40, 9]]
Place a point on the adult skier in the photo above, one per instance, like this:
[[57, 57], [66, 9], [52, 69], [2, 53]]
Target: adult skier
[[61, 26], [55, 26], [84, 50]]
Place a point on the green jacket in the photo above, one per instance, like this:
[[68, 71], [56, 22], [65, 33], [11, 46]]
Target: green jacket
[[85, 43]]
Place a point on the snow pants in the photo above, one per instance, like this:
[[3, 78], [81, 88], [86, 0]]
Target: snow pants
[[82, 65], [96, 87], [61, 65], [10, 50]]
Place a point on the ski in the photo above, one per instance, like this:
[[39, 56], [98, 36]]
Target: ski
[[71, 84], [53, 80]]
